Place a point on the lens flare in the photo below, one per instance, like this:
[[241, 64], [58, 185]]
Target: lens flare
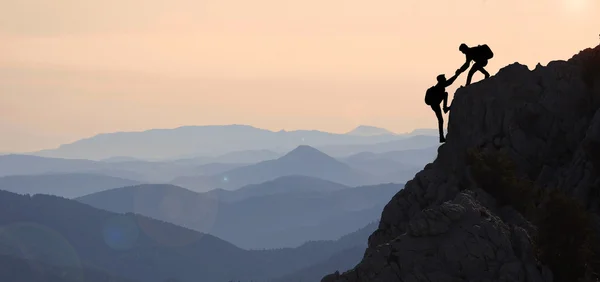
[[121, 232], [191, 211]]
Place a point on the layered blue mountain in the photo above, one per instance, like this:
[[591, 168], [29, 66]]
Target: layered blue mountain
[[27, 270], [235, 157], [289, 185], [202, 141], [349, 251], [66, 235], [282, 213], [400, 144], [68, 185], [304, 160], [366, 130], [412, 157], [394, 166], [141, 171]]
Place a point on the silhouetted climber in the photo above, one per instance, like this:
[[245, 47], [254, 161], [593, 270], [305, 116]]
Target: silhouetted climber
[[480, 54], [435, 95]]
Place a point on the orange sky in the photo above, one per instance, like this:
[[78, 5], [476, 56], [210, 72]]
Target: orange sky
[[71, 69]]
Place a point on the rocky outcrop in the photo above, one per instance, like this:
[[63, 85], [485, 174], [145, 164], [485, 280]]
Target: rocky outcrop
[[443, 227]]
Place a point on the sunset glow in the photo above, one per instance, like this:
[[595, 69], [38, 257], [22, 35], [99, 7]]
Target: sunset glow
[[65, 64]]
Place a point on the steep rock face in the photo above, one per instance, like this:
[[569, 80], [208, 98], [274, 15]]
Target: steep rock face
[[443, 227]]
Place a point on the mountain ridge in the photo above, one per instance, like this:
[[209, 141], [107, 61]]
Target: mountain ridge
[[68, 185], [303, 160], [249, 221], [367, 130], [409, 143], [65, 235], [271, 187], [521, 152], [208, 140]]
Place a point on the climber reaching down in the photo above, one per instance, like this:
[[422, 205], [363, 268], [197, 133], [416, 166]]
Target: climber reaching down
[[480, 55], [435, 95]]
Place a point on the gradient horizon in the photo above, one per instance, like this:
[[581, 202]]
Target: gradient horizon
[[70, 70]]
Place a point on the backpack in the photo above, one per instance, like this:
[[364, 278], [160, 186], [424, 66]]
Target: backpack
[[431, 95], [483, 52]]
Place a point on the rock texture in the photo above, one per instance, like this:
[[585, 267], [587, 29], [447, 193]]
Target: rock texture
[[442, 227]]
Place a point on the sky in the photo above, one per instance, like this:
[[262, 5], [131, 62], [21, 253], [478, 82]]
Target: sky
[[71, 69]]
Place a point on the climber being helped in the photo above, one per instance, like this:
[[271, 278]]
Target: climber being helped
[[435, 95], [480, 55]]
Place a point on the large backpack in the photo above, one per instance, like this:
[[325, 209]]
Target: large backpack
[[483, 52], [431, 95]]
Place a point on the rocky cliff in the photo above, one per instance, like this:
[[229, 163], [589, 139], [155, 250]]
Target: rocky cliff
[[514, 192]]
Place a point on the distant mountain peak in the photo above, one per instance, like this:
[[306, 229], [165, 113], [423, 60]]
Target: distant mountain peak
[[424, 131], [367, 130], [304, 150], [307, 155]]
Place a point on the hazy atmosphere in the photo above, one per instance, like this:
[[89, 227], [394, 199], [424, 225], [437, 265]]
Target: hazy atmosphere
[[304, 141], [73, 69]]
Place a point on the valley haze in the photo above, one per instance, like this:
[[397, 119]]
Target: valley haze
[[210, 141], [259, 191], [289, 141]]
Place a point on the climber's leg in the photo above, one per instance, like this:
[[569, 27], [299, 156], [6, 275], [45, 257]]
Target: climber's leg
[[446, 108], [477, 66], [487, 74], [482, 70], [438, 113], [470, 74]]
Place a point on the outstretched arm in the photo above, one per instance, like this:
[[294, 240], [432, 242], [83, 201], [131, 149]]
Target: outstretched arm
[[465, 66], [452, 79]]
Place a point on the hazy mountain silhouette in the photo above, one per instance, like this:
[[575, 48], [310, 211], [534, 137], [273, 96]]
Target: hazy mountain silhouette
[[355, 238], [341, 261], [24, 164], [400, 176], [201, 141], [326, 229], [142, 171], [423, 131], [284, 185], [396, 166], [147, 171], [349, 249], [304, 160], [33, 165], [69, 185], [409, 143], [418, 157], [274, 214], [120, 160], [17, 270], [380, 166], [216, 168], [248, 156], [65, 233], [284, 220], [365, 130], [160, 201]]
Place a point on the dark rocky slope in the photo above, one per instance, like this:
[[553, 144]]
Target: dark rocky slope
[[471, 216]]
